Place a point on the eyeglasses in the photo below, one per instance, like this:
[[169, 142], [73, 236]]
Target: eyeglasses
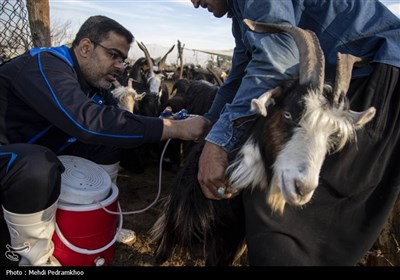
[[115, 55]]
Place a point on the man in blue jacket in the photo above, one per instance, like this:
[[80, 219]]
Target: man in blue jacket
[[56, 101], [358, 186]]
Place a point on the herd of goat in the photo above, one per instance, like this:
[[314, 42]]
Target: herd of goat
[[297, 125], [153, 87]]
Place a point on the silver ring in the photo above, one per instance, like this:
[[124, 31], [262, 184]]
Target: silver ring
[[221, 190]]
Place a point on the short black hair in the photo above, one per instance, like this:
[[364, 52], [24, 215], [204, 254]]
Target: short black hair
[[96, 28]]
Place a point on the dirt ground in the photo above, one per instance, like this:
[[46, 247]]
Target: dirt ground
[[137, 191]]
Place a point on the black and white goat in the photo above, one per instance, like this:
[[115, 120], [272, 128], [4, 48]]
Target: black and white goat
[[283, 153]]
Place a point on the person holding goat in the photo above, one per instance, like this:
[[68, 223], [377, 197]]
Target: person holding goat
[[359, 185]]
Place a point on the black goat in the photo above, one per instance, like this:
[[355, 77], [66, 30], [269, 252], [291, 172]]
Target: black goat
[[146, 79], [196, 97], [283, 153], [198, 226]]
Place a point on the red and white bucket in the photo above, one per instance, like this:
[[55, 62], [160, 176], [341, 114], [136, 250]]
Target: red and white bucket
[[86, 233]]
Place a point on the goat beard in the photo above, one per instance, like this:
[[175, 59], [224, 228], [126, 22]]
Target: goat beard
[[248, 164], [275, 197]]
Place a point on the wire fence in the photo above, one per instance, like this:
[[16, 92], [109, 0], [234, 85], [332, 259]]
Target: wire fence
[[15, 35]]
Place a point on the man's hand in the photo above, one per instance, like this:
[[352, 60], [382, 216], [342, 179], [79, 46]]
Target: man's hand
[[188, 129], [211, 176]]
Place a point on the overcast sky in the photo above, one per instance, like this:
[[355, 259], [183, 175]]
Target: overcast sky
[[161, 22]]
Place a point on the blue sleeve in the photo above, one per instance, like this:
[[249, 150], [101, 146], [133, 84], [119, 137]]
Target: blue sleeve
[[259, 63], [228, 90]]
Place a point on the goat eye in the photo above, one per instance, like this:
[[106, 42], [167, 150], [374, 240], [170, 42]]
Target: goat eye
[[287, 115]]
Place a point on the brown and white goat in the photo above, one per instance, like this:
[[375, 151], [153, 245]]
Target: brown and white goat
[[283, 152]]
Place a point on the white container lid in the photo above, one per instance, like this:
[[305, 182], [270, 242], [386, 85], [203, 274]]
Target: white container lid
[[83, 181]]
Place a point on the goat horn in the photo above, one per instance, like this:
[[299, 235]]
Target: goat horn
[[161, 64], [116, 84], [344, 67], [148, 57], [130, 80], [215, 75], [312, 60]]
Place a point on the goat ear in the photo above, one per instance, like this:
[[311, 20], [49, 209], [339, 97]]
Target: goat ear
[[139, 97], [258, 107], [260, 104], [361, 118]]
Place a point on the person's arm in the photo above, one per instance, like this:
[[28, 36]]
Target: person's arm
[[54, 92], [260, 62], [226, 93], [188, 129]]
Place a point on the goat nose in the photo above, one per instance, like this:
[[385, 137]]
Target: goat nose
[[299, 187]]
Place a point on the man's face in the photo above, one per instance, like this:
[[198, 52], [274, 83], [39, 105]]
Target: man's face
[[106, 61], [218, 7]]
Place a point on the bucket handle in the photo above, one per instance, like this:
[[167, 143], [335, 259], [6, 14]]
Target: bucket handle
[[87, 251]]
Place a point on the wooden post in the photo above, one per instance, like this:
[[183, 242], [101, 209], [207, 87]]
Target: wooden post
[[39, 21], [180, 56]]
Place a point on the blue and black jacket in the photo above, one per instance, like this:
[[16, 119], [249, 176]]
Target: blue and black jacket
[[45, 100]]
